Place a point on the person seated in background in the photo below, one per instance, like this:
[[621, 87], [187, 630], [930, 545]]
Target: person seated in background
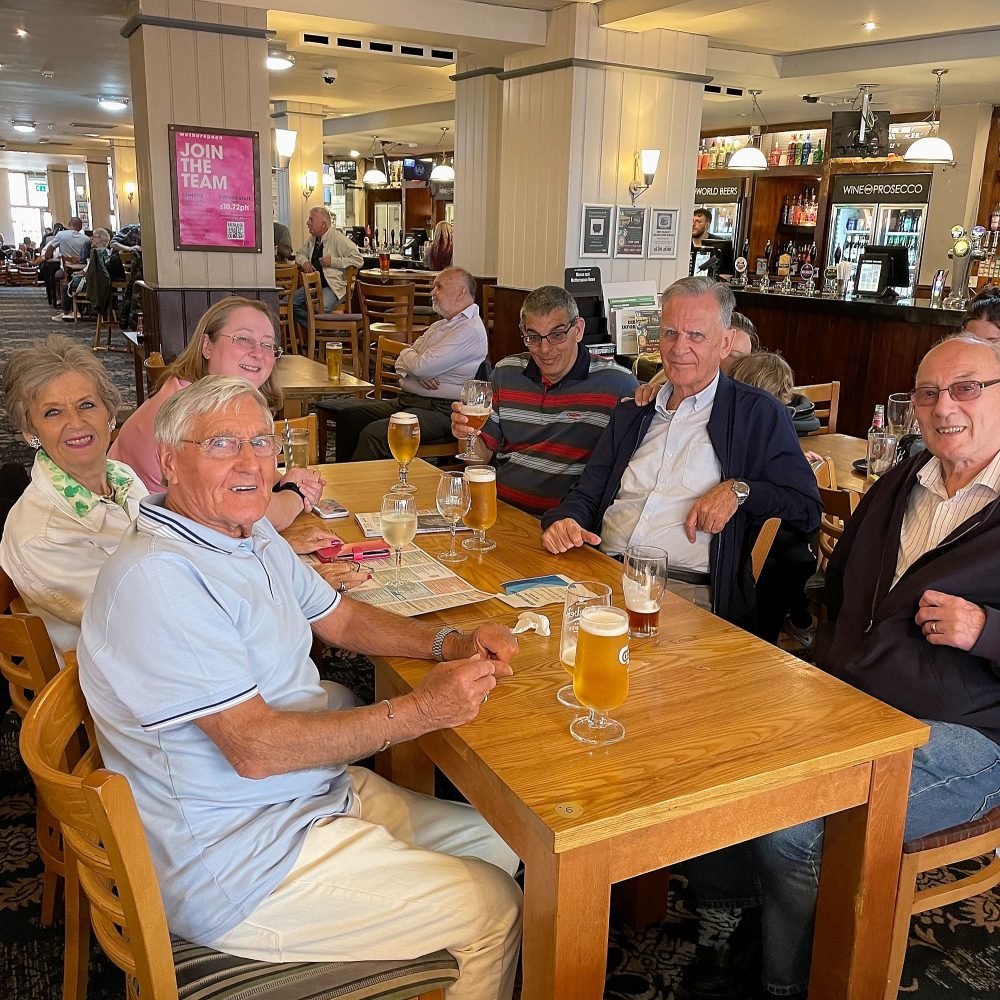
[[128, 238], [99, 241], [329, 252], [432, 372], [235, 336], [439, 249], [266, 843], [697, 470], [70, 242], [702, 241], [982, 318], [772, 372], [550, 404], [47, 234], [63, 402], [283, 251]]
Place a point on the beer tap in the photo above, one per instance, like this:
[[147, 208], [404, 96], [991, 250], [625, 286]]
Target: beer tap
[[962, 255]]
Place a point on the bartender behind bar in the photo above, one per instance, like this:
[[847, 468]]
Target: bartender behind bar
[[710, 255]]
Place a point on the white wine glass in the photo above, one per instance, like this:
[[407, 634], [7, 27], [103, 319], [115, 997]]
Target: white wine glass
[[579, 595], [453, 502], [644, 578], [482, 514], [477, 406], [398, 524], [404, 440], [600, 674]]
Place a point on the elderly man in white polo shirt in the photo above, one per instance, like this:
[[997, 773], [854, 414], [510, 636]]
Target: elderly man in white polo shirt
[[266, 843]]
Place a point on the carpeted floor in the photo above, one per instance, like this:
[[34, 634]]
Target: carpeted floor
[[954, 952]]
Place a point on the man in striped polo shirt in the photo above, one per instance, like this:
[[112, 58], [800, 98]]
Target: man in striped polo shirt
[[550, 405]]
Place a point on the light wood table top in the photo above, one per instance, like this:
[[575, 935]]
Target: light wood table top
[[399, 275], [844, 450], [727, 738], [303, 380]]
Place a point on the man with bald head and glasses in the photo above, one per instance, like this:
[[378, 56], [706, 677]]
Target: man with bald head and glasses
[[913, 599], [550, 404]]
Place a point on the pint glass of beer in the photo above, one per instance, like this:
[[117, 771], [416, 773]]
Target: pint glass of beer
[[334, 361], [477, 405], [483, 509], [579, 595], [600, 674], [404, 440], [644, 577], [383, 262]]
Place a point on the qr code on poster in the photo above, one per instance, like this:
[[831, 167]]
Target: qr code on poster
[[235, 230]]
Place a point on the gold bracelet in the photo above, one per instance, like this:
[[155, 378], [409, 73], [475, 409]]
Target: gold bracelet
[[389, 715]]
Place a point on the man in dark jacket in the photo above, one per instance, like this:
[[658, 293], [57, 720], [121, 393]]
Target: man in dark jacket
[[695, 471]]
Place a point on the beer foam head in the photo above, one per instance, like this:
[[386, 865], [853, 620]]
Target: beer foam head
[[603, 621], [402, 417], [475, 410], [480, 474]]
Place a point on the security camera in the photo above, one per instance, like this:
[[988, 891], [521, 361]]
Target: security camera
[[3, 145], [329, 75]]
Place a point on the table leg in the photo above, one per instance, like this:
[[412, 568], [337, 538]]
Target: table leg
[[565, 949], [407, 766], [862, 848]]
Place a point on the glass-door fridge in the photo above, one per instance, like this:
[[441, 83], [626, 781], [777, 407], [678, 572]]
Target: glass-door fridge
[[851, 230], [903, 225], [724, 199]]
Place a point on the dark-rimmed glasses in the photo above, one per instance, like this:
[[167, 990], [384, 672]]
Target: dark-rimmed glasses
[[556, 337], [263, 446], [961, 392], [249, 344]]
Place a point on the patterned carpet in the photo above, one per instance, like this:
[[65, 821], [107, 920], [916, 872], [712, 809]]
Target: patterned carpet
[[954, 952]]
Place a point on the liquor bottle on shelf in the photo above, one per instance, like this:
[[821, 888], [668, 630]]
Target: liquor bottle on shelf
[[817, 156], [745, 252], [805, 151], [774, 158], [995, 219], [838, 255]]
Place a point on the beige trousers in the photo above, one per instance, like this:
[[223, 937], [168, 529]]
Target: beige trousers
[[698, 594], [403, 875]]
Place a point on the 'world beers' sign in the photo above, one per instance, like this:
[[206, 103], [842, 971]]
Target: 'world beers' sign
[[867, 189], [717, 192]]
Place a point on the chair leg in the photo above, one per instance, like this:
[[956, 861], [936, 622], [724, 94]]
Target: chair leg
[[908, 871], [77, 956]]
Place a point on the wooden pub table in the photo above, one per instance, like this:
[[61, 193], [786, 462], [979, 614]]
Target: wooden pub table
[[843, 450], [303, 380], [727, 738]]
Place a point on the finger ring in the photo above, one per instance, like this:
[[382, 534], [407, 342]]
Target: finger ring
[[486, 697], [341, 587], [357, 567], [934, 627]]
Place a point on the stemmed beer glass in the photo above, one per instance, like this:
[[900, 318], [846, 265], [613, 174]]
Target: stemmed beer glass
[[398, 524], [580, 595], [477, 405], [453, 502], [600, 674], [404, 440], [644, 578], [482, 514]]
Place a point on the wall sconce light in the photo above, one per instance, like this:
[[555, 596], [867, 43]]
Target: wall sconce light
[[647, 161], [130, 189], [309, 181], [284, 147]]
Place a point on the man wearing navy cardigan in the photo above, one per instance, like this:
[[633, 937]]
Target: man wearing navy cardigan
[[695, 471]]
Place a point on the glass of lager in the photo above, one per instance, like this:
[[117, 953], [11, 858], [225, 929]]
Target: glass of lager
[[644, 578], [477, 406], [334, 360], [453, 502], [580, 595], [482, 514], [600, 674], [398, 524], [404, 440]]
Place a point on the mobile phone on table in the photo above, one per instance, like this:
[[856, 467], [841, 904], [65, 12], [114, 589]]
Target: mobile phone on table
[[360, 551], [330, 510]]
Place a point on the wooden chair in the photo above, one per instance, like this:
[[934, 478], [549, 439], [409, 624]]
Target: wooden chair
[[108, 859], [387, 310], [307, 423], [762, 546], [826, 398], [109, 316], [423, 308], [286, 279], [826, 474], [489, 307], [838, 507], [338, 326]]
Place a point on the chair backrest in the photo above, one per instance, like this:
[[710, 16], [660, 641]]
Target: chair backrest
[[387, 304], [762, 546], [350, 276], [308, 423], [825, 396], [386, 379], [27, 659], [286, 278], [838, 507], [103, 836], [826, 474]]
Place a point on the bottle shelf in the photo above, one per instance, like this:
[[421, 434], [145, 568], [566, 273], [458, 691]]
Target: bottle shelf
[[784, 227]]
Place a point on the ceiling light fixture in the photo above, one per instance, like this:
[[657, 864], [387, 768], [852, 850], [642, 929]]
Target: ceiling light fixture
[[373, 175], [111, 103], [22, 125], [869, 25], [932, 148], [278, 56], [92, 135], [354, 154], [750, 156], [21, 33], [443, 172]]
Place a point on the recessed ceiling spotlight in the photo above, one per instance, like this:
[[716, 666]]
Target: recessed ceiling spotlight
[[22, 125], [21, 33], [43, 140], [869, 25], [93, 135], [355, 154], [113, 103]]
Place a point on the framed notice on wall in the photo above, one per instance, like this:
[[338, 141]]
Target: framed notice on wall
[[595, 231], [215, 189], [630, 231], [663, 233]]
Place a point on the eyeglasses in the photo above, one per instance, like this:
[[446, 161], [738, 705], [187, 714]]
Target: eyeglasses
[[555, 337], [249, 344], [263, 446], [962, 392]]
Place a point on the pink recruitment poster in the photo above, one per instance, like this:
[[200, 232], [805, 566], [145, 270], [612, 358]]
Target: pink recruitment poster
[[215, 180]]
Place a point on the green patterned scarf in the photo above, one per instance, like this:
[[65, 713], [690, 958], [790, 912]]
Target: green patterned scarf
[[79, 498]]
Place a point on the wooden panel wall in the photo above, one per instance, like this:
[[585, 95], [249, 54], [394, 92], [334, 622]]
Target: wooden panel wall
[[506, 337]]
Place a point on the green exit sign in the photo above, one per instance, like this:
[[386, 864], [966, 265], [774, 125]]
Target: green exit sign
[[41, 187]]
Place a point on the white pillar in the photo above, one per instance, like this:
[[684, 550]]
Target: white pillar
[[60, 205], [100, 193], [124, 172], [6, 220]]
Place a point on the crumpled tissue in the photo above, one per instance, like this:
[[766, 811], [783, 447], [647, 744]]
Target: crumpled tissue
[[529, 620]]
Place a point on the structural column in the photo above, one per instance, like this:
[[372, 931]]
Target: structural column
[[6, 219], [478, 121], [306, 120], [575, 114], [125, 175], [100, 194], [60, 206], [196, 64]]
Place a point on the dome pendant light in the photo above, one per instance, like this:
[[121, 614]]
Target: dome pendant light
[[443, 172], [932, 148], [750, 156]]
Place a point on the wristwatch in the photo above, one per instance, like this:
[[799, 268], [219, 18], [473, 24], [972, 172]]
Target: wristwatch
[[437, 648], [294, 487], [742, 491]]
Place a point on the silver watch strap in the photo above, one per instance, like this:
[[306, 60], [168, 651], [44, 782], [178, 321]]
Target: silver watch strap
[[437, 648]]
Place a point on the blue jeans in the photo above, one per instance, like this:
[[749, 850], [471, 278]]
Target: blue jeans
[[330, 301], [955, 778]]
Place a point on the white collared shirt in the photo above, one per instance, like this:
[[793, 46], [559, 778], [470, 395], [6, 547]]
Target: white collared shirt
[[450, 350], [673, 466], [931, 515]]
